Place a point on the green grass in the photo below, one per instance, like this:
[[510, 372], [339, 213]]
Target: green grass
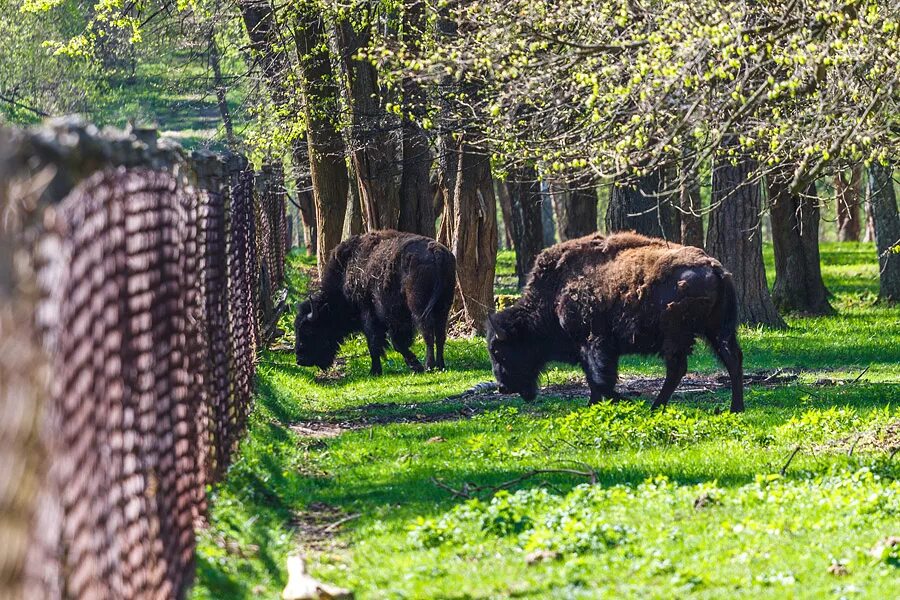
[[634, 533]]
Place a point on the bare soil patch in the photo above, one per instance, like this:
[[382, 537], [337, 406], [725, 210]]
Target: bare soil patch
[[318, 524], [880, 439], [483, 397]]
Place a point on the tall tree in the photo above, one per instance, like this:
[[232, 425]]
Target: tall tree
[[795, 235], [505, 201], [268, 52], [548, 219], [328, 168], [526, 219], [640, 207], [847, 198], [416, 193], [469, 220], [883, 199], [734, 238], [869, 235], [215, 63], [306, 206], [374, 151], [353, 222], [690, 201], [576, 210], [474, 232]]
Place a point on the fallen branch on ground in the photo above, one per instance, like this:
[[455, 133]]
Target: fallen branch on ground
[[788, 463]]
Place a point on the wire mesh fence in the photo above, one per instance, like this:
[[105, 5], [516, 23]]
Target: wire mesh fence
[[129, 325]]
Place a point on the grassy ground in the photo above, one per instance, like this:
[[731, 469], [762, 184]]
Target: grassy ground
[[685, 502]]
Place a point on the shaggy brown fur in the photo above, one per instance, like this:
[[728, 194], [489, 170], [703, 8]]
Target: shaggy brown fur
[[590, 300], [386, 284]]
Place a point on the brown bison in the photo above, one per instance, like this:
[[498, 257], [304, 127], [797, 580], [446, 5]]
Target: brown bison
[[384, 283], [590, 300]]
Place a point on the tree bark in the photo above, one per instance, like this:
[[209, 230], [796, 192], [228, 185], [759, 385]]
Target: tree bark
[[637, 207], [307, 207], [846, 195], [548, 219], [883, 199], [416, 193], [795, 236], [221, 89], [266, 45], [505, 201], [527, 224], [375, 152], [870, 221], [474, 233], [576, 210], [734, 238], [691, 205], [416, 204], [353, 222], [327, 165]]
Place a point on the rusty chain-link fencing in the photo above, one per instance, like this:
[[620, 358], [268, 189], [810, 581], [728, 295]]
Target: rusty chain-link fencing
[[129, 324]]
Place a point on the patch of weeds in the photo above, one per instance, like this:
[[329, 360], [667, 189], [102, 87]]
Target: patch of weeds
[[619, 425]]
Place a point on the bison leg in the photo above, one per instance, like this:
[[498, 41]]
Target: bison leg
[[376, 339], [601, 367], [402, 340], [440, 334], [676, 367], [428, 336], [729, 353]]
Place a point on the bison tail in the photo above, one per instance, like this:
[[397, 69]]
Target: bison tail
[[441, 264], [729, 306]]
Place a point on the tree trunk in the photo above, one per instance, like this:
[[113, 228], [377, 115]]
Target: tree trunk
[[690, 202], [795, 236], [883, 199], [416, 205], [474, 233], [266, 44], [327, 165], [505, 201], [448, 163], [306, 205], [221, 89], [416, 193], [375, 152], [353, 222], [691, 211], [870, 221], [576, 211], [469, 223], [638, 208], [527, 224], [846, 195], [548, 219], [734, 238]]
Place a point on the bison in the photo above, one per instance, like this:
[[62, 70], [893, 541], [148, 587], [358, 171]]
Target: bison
[[590, 300], [384, 283]]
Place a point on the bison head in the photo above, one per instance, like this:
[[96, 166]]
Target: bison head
[[516, 358], [317, 342]]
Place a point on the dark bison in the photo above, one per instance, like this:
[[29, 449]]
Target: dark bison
[[384, 283], [590, 300]]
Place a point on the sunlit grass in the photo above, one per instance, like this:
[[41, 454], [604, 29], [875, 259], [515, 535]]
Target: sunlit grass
[[636, 533]]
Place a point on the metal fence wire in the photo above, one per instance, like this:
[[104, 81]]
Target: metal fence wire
[[128, 336]]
